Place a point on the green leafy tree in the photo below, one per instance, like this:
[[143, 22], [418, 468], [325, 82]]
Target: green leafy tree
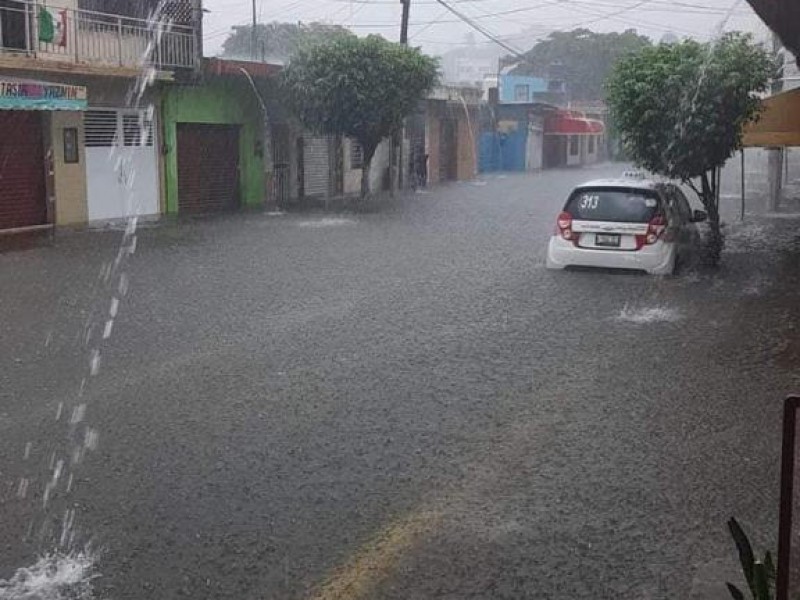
[[680, 110], [582, 57], [278, 41], [362, 88]]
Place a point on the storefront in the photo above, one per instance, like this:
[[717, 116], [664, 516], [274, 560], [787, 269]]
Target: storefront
[[39, 147], [215, 140], [571, 139]]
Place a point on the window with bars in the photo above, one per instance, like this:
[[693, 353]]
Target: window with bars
[[136, 130], [356, 155], [100, 128]]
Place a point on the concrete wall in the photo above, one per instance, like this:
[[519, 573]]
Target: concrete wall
[[377, 173], [223, 103], [534, 150], [352, 176], [467, 135], [69, 179], [432, 135]]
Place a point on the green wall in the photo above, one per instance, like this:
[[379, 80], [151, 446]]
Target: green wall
[[222, 103]]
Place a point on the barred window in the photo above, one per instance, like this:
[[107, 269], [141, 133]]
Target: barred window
[[356, 155]]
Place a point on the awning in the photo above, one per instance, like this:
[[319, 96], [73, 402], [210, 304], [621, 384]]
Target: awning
[[779, 124], [572, 123], [23, 94]]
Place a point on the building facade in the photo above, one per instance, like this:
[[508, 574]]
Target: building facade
[[572, 139], [512, 137], [79, 87], [215, 139], [451, 128]]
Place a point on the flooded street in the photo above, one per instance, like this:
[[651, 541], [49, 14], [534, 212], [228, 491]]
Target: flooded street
[[399, 404]]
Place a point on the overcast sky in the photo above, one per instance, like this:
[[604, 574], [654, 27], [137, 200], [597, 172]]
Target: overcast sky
[[437, 30]]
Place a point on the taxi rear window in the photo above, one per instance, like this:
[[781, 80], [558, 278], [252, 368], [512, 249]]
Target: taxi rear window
[[623, 205]]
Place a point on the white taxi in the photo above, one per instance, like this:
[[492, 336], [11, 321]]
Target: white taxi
[[629, 223]]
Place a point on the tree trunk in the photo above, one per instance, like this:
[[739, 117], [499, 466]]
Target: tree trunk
[[709, 196]]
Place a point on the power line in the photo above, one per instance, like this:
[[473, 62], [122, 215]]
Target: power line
[[461, 16], [582, 5], [479, 29], [698, 9], [436, 21]]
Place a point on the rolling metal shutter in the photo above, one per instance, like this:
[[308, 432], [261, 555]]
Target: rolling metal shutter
[[316, 166], [22, 173], [208, 167]]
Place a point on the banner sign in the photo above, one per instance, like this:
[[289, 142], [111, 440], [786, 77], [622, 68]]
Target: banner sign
[[37, 95], [788, 584], [53, 26]]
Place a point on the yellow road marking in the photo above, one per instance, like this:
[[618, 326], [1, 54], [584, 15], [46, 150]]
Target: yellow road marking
[[360, 576]]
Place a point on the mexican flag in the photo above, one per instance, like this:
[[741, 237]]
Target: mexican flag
[[53, 26]]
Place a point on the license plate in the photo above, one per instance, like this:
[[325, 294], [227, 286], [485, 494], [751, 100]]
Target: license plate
[[607, 239]]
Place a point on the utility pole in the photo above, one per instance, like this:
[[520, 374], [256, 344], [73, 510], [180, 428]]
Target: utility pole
[[397, 141], [253, 44], [404, 24], [775, 156]]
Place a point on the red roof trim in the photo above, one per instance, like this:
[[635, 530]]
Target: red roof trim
[[572, 123]]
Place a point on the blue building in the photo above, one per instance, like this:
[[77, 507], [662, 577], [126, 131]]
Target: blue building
[[512, 137], [526, 89], [521, 89]]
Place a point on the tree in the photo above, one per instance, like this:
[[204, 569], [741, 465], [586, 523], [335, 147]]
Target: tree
[[583, 58], [362, 88], [278, 41], [680, 110]]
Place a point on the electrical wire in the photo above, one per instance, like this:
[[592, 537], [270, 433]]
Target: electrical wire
[[652, 6], [436, 21], [482, 30]]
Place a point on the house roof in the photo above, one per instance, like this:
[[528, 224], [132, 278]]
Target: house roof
[[570, 122], [779, 124], [783, 17], [226, 67]]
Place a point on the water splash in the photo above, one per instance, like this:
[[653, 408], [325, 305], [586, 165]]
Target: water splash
[[64, 570], [53, 577], [326, 222], [644, 316]]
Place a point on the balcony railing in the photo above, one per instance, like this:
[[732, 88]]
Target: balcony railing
[[95, 38]]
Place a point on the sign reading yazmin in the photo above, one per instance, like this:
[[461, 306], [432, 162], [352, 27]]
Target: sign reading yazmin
[[39, 95]]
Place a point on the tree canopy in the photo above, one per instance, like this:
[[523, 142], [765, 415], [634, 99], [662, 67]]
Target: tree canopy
[[583, 58], [362, 88], [680, 109], [278, 41]]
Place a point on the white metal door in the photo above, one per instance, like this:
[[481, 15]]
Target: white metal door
[[121, 164]]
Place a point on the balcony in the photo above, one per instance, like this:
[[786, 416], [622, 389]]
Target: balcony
[[92, 38]]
